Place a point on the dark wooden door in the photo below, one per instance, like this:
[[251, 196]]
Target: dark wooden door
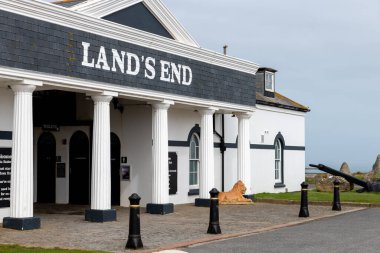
[[79, 192], [46, 160], [115, 170]]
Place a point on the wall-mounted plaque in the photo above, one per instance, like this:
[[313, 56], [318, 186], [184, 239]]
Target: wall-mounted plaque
[[61, 170], [5, 176], [125, 172]]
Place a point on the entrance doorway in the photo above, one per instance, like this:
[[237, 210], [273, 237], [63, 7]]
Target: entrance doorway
[[46, 161], [115, 170], [79, 186]]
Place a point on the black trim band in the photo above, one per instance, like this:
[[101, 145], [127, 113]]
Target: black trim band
[[261, 146], [5, 135], [178, 144], [299, 148]]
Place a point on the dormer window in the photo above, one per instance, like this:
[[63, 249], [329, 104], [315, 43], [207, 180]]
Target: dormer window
[[269, 81]]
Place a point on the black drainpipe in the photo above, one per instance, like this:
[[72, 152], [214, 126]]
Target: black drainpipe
[[223, 147]]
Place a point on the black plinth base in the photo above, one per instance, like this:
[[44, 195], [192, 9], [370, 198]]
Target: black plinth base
[[304, 212], [249, 196], [134, 242], [22, 223], [100, 215], [202, 202], [160, 208], [214, 229], [337, 207]]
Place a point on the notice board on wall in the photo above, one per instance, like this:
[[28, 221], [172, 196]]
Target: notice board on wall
[[173, 173], [5, 176]]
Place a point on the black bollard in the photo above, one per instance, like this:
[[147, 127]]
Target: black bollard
[[336, 204], [304, 211], [213, 227], [134, 237]]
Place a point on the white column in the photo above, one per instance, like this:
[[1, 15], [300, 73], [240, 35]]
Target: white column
[[101, 154], [160, 187], [244, 151], [21, 201], [206, 170]]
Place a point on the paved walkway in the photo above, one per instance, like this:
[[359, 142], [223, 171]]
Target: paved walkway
[[64, 226]]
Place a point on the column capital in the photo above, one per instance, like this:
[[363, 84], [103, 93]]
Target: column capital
[[207, 111], [162, 105], [243, 115], [23, 88], [101, 98]]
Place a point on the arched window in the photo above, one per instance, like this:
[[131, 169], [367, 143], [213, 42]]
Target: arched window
[[194, 162], [278, 161]]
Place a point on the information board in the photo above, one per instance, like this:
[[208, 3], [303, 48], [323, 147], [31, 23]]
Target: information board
[[5, 176], [173, 173]]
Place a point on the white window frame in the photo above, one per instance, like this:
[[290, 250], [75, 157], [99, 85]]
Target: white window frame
[[196, 159], [266, 81], [278, 161]]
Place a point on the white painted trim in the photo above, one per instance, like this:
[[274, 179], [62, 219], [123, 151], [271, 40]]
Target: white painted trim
[[66, 17], [87, 86], [279, 110], [100, 9]]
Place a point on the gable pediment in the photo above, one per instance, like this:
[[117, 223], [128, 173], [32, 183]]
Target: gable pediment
[[139, 16], [147, 15]]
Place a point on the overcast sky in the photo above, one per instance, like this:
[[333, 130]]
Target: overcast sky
[[328, 57]]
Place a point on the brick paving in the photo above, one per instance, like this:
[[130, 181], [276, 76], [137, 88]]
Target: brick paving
[[64, 226]]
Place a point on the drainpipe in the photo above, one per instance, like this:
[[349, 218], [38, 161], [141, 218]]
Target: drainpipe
[[223, 147]]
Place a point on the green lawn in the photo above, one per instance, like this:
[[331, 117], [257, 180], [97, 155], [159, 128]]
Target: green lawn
[[313, 195], [18, 249]]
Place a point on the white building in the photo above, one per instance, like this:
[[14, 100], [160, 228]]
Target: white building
[[96, 95]]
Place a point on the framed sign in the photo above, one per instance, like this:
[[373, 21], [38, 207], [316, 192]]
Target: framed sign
[[125, 172], [61, 170], [173, 173], [5, 176]]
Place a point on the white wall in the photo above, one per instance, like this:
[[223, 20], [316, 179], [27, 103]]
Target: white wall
[[136, 142], [269, 121]]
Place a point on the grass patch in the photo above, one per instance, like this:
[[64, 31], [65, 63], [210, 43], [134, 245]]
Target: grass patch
[[313, 195], [19, 249]]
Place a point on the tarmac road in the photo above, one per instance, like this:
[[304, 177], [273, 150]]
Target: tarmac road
[[349, 233]]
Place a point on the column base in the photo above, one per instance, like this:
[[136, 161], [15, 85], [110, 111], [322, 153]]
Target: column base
[[160, 208], [202, 202], [93, 215], [250, 196], [22, 223]]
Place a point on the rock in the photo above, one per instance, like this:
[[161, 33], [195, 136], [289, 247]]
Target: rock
[[325, 183], [374, 175], [345, 169]]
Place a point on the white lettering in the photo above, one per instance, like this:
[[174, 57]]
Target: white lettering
[[176, 71], [187, 79], [137, 64], [170, 71], [102, 59], [149, 65], [119, 60], [165, 75], [85, 56]]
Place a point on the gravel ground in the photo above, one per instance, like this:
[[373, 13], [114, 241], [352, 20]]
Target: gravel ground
[[64, 226]]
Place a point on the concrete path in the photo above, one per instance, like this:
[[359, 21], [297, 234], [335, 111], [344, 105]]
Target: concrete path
[[64, 226], [348, 233]]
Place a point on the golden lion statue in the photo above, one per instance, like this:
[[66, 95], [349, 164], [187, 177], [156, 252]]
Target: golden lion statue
[[235, 196]]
